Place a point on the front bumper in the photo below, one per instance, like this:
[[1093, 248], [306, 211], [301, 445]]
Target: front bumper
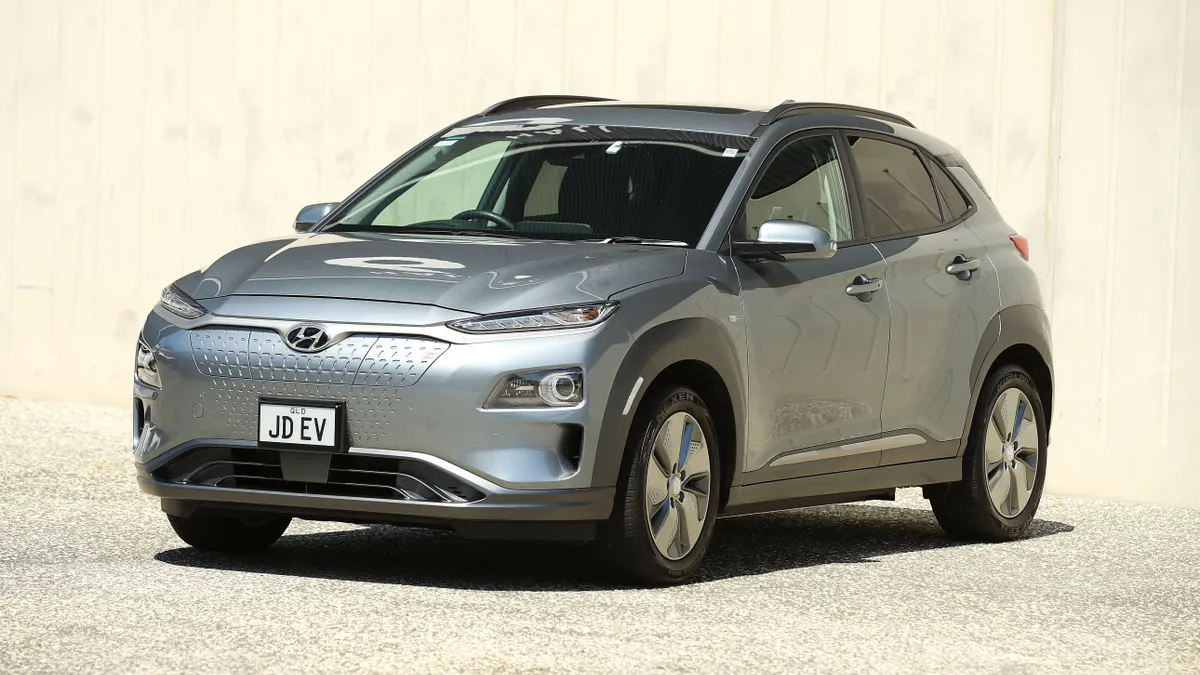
[[406, 389], [421, 447], [365, 486]]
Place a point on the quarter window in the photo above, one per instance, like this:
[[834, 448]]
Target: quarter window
[[898, 194], [956, 204], [803, 183]]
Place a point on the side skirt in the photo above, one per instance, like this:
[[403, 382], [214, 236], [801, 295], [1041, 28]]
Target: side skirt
[[877, 483]]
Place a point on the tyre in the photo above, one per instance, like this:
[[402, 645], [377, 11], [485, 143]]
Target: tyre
[[668, 491], [240, 534], [1004, 466]]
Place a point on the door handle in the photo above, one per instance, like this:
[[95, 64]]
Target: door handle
[[863, 287], [962, 267]]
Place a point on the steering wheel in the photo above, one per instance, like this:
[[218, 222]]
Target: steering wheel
[[471, 214]]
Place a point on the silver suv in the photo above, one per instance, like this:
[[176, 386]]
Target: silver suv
[[572, 318]]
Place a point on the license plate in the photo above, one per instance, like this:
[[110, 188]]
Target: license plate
[[299, 424]]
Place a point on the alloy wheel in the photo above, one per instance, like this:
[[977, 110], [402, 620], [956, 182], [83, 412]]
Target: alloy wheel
[[677, 486], [1011, 453]]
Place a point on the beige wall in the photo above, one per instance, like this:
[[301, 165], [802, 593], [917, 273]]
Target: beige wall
[[1123, 288], [141, 138]]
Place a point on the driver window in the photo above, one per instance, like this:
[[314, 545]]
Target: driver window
[[441, 194], [803, 183]]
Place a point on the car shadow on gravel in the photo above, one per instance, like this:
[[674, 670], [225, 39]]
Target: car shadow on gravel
[[743, 546]]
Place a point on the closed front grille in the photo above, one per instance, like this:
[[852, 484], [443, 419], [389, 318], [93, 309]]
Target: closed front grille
[[348, 476], [360, 360], [370, 411]]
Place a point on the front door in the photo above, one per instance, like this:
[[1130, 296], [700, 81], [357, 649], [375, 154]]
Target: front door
[[817, 330]]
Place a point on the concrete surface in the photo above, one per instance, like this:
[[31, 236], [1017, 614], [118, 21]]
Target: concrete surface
[[93, 579]]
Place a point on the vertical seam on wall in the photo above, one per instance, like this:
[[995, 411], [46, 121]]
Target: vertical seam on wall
[[92, 301], [997, 90], [1110, 226], [1050, 224], [231, 223], [563, 54], [188, 134], [326, 106], [773, 70], [512, 60], [11, 232], [372, 64], [1173, 229], [56, 294], [883, 61], [276, 124], [939, 60], [825, 51], [138, 279], [616, 31]]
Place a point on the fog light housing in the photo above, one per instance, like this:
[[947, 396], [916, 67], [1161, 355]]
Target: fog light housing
[[551, 388], [146, 367], [139, 421]]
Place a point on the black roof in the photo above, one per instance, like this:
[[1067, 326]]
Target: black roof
[[733, 120], [728, 119]]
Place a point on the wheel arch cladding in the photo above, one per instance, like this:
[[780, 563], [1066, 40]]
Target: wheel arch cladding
[[692, 352], [1031, 360], [1018, 335], [706, 381]]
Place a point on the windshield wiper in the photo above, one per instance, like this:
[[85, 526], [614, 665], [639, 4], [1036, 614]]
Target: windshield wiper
[[640, 240], [416, 229], [507, 234]]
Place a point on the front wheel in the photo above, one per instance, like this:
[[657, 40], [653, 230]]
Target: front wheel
[[253, 532], [668, 491], [1004, 467]]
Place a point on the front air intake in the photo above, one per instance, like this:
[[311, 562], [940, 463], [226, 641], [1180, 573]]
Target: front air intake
[[349, 475]]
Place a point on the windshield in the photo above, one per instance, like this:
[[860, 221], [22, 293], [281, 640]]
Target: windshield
[[547, 179]]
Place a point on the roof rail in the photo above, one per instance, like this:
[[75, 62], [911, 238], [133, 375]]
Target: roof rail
[[531, 102], [790, 107]]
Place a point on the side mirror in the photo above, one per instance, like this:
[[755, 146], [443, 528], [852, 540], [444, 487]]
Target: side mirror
[[790, 238], [311, 215]]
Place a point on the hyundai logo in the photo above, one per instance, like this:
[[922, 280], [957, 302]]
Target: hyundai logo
[[307, 338]]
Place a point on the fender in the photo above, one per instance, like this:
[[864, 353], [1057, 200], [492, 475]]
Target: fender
[[690, 339], [1015, 325]]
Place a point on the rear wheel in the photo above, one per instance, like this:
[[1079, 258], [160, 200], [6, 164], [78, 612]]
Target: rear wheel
[[240, 534], [1004, 467], [668, 492]]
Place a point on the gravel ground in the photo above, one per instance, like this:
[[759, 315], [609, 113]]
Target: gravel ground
[[93, 579]]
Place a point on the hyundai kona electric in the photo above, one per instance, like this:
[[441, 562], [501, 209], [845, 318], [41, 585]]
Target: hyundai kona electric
[[578, 319]]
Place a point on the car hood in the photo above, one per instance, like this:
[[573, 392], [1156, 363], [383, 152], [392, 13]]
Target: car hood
[[470, 274]]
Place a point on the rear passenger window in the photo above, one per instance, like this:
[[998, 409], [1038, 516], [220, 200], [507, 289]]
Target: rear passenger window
[[956, 204], [898, 194]]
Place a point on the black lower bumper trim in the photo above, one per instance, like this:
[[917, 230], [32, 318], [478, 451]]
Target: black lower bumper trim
[[588, 504], [470, 529]]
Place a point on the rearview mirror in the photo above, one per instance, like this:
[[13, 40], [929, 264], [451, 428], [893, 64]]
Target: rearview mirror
[[783, 239], [311, 215]]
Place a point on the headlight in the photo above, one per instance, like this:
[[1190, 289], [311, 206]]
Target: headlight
[[575, 316], [557, 388], [145, 367], [179, 303]]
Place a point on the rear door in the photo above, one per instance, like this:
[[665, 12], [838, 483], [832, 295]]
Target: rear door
[[942, 291]]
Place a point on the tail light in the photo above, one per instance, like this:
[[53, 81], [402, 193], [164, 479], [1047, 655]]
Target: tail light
[[1022, 245]]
